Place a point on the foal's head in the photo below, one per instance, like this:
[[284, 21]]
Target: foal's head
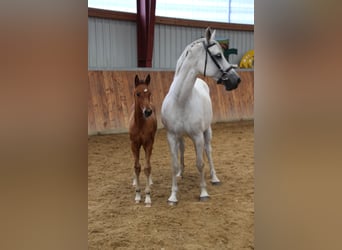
[[142, 95]]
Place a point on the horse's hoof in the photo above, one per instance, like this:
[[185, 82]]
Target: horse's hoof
[[148, 204], [215, 183], [172, 203], [204, 198], [137, 201]]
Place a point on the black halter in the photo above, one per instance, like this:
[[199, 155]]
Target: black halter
[[214, 60]]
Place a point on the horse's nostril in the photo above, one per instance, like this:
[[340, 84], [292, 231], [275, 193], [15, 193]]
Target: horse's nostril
[[238, 80]]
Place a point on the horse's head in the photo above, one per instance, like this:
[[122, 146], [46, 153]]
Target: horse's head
[[142, 95], [216, 65]]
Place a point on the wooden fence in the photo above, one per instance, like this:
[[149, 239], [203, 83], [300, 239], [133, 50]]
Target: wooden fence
[[111, 98]]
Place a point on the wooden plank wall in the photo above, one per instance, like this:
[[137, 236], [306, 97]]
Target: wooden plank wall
[[111, 98]]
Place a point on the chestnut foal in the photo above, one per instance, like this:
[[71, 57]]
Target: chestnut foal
[[142, 129]]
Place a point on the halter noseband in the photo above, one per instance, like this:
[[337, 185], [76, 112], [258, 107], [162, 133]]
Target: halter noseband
[[213, 58]]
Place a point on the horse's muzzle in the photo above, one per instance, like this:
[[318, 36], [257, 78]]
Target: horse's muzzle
[[230, 81]]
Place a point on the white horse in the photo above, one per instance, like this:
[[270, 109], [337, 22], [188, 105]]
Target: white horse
[[187, 109]]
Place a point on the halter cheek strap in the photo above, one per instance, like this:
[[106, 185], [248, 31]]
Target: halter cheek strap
[[206, 55], [212, 57]]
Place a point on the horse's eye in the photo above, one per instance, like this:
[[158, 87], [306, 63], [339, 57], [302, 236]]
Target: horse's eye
[[218, 56], [138, 94]]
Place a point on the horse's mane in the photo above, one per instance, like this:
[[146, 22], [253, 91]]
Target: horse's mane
[[185, 53]]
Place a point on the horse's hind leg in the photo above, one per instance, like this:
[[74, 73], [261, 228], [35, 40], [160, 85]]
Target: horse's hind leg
[[137, 168], [181, 151], [147, 171], [207, 146]]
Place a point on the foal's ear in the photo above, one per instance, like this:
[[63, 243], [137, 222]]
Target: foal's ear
[[136, 81], [148, 79]]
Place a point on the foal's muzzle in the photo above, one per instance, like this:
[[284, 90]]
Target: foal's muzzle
[[147, 112], [230, 81]]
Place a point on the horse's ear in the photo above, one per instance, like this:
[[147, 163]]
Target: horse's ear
[[148, 79], [213, 35], [207, 34], [136, 81]]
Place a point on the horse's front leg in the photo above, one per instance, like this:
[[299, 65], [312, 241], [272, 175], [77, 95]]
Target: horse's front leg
[[173, 145], [137, 168], [199, 146], [207, 146], [147, 170]]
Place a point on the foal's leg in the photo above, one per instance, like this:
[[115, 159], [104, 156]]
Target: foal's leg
[[137, 168], [199, 145], [173, 145], [147, 170], [207, 146]]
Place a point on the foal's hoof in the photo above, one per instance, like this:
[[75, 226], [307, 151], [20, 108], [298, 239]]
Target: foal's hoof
[[172, 203], [204, 198]]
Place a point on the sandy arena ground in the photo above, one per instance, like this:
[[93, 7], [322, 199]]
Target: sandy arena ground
[[225, 221]]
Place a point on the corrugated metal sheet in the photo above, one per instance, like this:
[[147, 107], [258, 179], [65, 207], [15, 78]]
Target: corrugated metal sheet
[[170, 42], [112, 44]]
